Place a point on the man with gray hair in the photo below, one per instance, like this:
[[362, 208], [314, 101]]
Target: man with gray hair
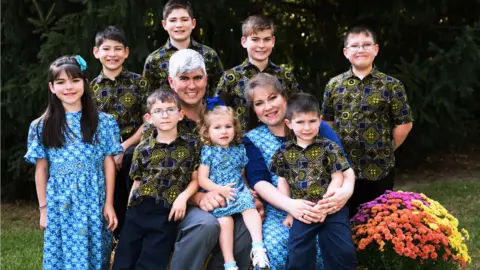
[[198, 232]]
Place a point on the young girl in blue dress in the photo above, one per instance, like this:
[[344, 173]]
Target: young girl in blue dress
[[223, 158], [72, 146]]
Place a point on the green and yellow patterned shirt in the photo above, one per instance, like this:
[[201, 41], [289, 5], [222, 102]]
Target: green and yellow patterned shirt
[[156, 65], [365, 112], [234, 81], [124, 98], [165, 170], [309, 170]]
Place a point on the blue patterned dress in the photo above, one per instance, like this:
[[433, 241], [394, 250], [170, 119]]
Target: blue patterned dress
[[226, 166], [275, 234], [76, 236]]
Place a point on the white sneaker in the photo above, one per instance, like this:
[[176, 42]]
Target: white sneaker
[[232, 268], [259, 258]]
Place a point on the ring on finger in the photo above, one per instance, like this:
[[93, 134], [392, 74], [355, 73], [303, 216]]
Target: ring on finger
[[303, 215]]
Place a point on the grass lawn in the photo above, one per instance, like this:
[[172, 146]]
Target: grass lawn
[[21, 237]]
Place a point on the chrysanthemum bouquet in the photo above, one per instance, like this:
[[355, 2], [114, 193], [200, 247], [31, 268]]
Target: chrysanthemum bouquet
[[406, 230]]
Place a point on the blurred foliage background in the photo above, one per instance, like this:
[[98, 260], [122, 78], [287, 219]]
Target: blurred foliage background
[[432, 46]]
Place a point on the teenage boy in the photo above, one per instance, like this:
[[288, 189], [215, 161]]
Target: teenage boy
[[179, 22], [258, 38], [307, 167], [370, 113], [165, 177], [122, 94]]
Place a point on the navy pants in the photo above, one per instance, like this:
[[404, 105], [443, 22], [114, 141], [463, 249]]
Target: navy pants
[[147, 238], [123, 184], [368, 190], [334, 237]]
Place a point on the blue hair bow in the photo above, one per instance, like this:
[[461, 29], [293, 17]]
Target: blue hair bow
[[81, 62], [212, 102]]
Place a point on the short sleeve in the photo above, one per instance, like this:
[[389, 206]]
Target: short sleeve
[[256, 169], [110, 138], [206, 156], [278, 165], [244, 157], [338, 160], [327, 105], [35, 148], [399, 108], [137, 164]]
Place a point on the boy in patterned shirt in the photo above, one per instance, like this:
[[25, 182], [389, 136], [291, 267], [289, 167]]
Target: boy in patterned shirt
[[370, 113], [165, 177], [122, 94], [258, 38], [307, 167], [178, 21]]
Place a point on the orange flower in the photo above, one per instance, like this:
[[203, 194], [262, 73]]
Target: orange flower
[[434, 255]]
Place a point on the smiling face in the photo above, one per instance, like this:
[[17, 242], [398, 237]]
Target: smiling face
[[68, 90], [269, 106], [179, 25], [112, 55], [259, 45], [164, 115], [221, 130], [305, 126], [363, 58], [190, 87]]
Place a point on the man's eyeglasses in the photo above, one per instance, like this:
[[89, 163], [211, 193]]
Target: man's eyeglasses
[[356, 48], [169, 111]]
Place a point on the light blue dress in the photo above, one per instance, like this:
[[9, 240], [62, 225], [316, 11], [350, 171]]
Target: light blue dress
[[226, 166], [76, 236], [275, 234]]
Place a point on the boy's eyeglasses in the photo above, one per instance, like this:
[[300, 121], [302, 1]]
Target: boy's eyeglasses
[[356, 48], [169, 112]]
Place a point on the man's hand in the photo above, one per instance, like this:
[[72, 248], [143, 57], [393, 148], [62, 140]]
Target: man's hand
[[211, 200]]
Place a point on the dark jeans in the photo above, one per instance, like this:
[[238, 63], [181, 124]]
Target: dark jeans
[[123, 184], [368, 190], [334, 237], [147, 238]]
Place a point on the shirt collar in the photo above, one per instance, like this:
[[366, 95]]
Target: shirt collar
[[349, 74], [246, 64], [293, 142], [169, 46], [124, 73], [153, 138]]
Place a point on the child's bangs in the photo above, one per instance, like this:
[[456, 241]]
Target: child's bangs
[[72, 71]]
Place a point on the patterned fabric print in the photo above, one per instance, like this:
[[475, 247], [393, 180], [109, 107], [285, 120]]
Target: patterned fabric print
[[185, 127], [364, 114], [308, 171], [164, 169], [234, 81], [156, 65], [226, 166], [275, 234], [124, 98], [76, 236]]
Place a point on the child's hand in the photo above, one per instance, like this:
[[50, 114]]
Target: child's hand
[[43, 219], [288, 221], [118, 161], [228, 192], [179, 208], [110, 217]]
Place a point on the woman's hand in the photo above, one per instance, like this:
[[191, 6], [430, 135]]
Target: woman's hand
[[43, 218], [110, 217], [334, 200], [303, 210]]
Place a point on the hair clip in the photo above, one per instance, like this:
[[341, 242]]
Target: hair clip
[[212, 102], [81, 62]]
